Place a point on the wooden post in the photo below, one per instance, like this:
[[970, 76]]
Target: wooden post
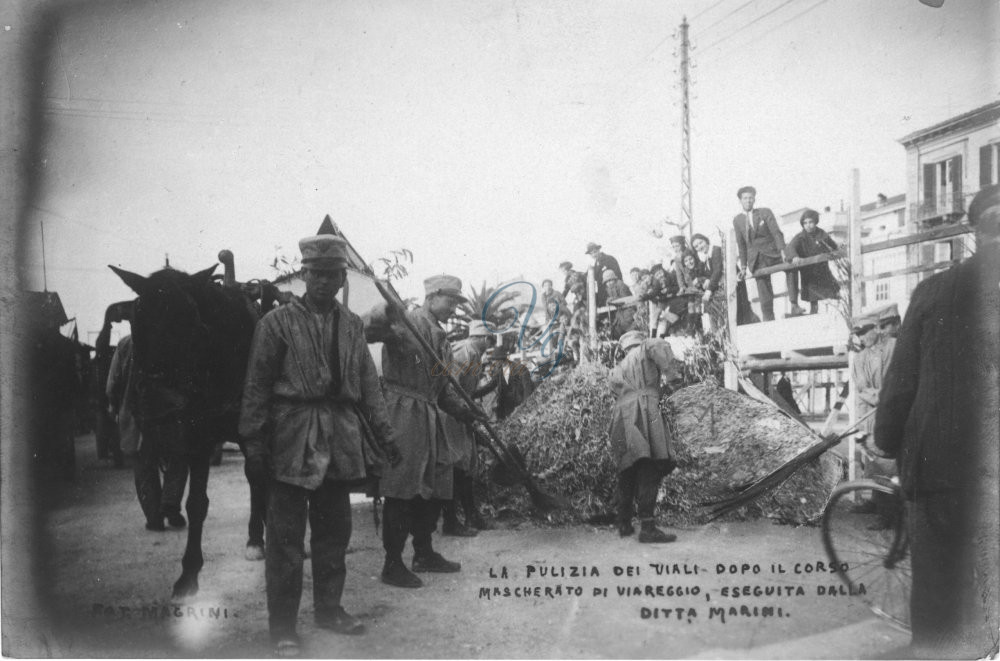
[[854, 303], [729, 287], [592, 308]]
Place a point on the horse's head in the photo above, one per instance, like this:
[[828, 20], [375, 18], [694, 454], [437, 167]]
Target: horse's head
[[169, 331]]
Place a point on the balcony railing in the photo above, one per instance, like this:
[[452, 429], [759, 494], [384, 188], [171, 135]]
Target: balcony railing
[[948, 208]]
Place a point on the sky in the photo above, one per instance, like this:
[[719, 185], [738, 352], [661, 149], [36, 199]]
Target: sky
[[493, 139]]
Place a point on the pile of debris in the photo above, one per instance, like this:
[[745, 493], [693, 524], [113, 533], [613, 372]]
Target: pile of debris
[[723, 440]]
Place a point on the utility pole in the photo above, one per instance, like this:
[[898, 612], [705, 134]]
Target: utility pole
[[686, 214]]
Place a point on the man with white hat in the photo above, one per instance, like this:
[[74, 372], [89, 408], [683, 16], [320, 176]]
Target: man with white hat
[[418, 394], [467, 367], [888, 320], [310, 381], [640, 438], [867, 375]]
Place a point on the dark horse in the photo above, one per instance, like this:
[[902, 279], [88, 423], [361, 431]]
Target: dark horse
[[191, 340]]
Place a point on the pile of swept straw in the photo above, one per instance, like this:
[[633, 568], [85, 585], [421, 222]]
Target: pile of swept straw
[[723, 440]]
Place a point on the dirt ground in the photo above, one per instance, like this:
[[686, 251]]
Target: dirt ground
[[109, 581]]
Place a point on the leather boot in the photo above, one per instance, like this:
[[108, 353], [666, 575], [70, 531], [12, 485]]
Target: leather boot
[[432, 561], [650, 534], [625, 528], [468, 497], [451, 526], [394, 572]]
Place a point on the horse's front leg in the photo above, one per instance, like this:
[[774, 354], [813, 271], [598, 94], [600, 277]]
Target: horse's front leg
[[258, 505], [197, 510]]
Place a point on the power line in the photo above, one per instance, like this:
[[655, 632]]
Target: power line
[[756, 20], [705, 11], [749, 2], [773, 29], [128, 239]]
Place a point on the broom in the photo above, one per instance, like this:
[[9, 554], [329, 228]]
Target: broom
[[749, 492]]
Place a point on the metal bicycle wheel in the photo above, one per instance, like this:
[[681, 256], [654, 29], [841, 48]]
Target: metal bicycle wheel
[[865, 536]]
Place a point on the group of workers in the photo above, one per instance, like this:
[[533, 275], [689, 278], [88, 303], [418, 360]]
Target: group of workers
[[318, 423]]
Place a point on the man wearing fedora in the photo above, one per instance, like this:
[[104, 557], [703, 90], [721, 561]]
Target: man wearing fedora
[[602, 263], [310, 380], [467, 368], [761, 244], [418, 394]]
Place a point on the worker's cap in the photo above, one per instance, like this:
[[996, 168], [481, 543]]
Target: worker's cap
[[704, 238], [746, 189], [445, 285], [565, 265], [631, 339], [608, 275], [478, 329], [864, 323], [888, 313], [323, 252], [592, 248], [678, 238]]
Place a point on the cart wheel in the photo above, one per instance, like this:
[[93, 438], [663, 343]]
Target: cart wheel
[[865, 535]]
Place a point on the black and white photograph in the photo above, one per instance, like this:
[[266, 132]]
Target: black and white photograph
[[506, 329]]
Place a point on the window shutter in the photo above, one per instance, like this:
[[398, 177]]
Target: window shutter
[[957, 203], [986, 165], [930, 184]]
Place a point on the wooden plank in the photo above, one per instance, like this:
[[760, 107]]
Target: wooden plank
[[729, 287], [911, 269], [794, 364], [818, 259], [935, 234]]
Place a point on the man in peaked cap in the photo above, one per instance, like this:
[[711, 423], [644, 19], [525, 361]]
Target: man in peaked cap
[[761, 244], [867, 375], [467, 368], [310, 381], [602, 262], [641, 441], [418, 394]]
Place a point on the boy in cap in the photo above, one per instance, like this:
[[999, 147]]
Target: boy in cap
[[761, 244], [640, 438], [467, 367], [418, 395], [576, 282], [310, 380], [621, 320]]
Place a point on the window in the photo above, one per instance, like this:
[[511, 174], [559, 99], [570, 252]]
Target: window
[[934, 253], [942, 185], [989, 165], [882, 290]]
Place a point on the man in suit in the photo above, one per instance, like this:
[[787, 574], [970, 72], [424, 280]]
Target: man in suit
[[937, 416], [602, 263], [761, 244]]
